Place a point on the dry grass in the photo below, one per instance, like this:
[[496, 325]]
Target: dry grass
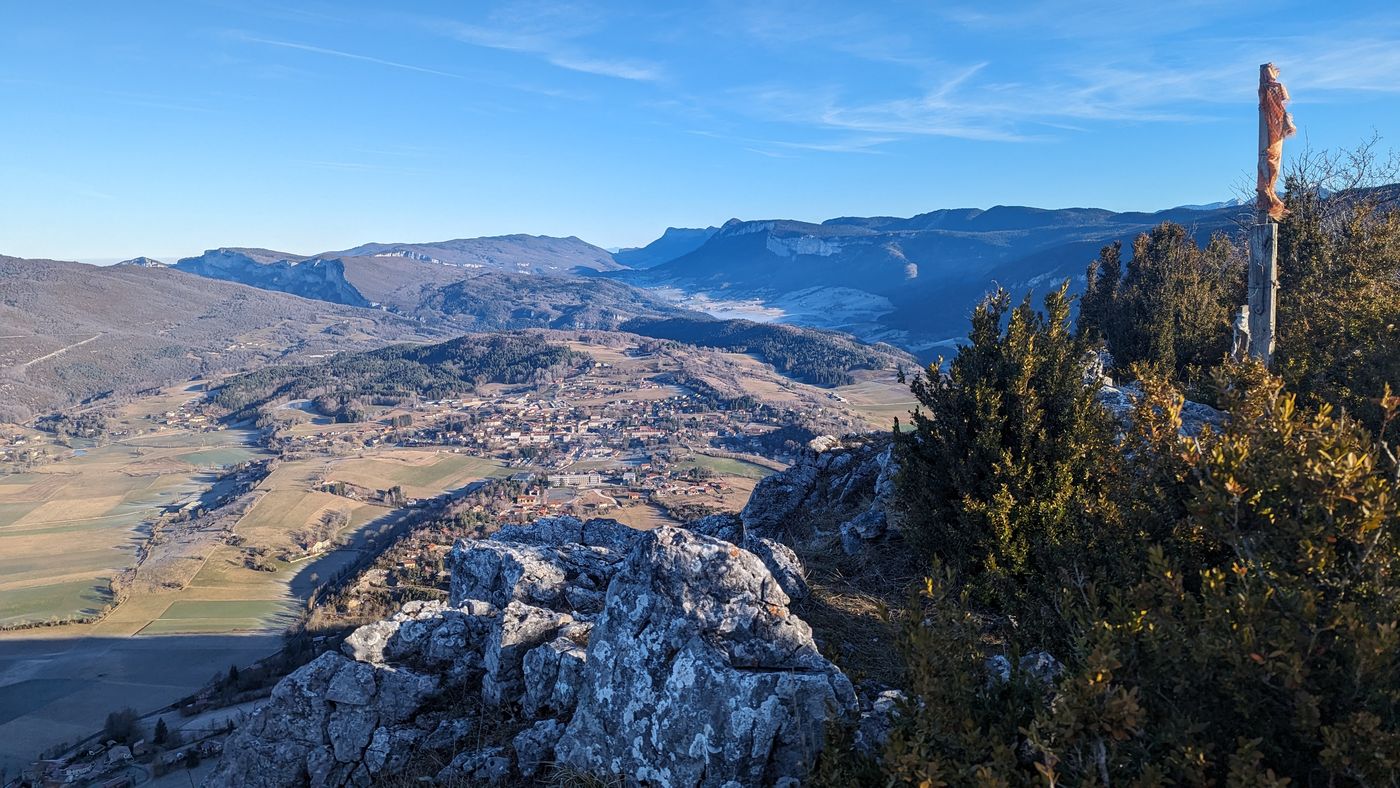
[[569, 778], [853, 604]]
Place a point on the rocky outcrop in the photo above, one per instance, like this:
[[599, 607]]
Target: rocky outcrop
[[334, 721], [698, 674], [663, 658], [838, 489]]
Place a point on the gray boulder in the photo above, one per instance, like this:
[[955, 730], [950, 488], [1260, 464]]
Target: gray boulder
[[534, 746], [368, 642], [519, 629], [556, 531], [877, 717], [556, 577], [698, 675], [553, 673], [487, 766], [778, 557], [845, 490], [783, 563], [322, 725], [728, 527]]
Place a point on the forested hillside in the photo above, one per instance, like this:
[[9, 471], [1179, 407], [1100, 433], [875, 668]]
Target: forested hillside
[[429, 371], [823, 358], [500, 301], [70, 331]]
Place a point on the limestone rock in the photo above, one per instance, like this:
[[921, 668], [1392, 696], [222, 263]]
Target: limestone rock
[[534, 746], [845, 490], [555, 531], [553, 672], [488, 766], [783, 563], [500, 572], [877, 718], [450, 734], [320, 724], [367, 643], [728, 527], [1195, 416], [778, 557], [519, 629], [698, 674]]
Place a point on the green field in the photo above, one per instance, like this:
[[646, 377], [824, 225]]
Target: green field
[[725, 466], [423, 474], [188, 440], [204, 616], [448, 469], [18, 604]]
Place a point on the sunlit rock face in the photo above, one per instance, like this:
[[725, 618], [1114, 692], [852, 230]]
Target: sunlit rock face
[[665, 658], [699, 675]]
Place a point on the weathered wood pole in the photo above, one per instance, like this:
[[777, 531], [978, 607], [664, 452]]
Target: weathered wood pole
[[1263, 243], [1263, 290]]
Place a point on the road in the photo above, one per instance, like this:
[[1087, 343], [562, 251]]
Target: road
[[60, 351]]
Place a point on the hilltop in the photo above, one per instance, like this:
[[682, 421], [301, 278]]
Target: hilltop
[[73, 332]]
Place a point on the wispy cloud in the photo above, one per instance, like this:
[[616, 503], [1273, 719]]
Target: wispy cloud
[[1040, 70], [552, 37], [343, 54], [787, 149]]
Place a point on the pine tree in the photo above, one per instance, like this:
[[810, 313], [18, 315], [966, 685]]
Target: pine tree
[[1003, 477]]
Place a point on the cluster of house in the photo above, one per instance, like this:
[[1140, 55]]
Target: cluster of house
[[20, 452], [618, 422], [594, 493], [108, 764]]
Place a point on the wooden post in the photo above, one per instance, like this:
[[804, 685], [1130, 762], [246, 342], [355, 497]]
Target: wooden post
[[1263, 290], [1263, 251]]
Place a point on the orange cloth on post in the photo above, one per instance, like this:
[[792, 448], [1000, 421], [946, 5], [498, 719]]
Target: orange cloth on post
[[1272, 98]]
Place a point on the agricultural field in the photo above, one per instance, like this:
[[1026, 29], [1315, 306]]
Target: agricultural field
[[68, 527], [879, 398], [227, 595], [725, 466], [642, 517], [420, 473]]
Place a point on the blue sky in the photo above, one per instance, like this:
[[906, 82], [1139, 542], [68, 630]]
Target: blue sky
[[164, 128]]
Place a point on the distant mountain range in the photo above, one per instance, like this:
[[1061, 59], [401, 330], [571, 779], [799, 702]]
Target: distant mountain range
[[910, 282], [673, 243]]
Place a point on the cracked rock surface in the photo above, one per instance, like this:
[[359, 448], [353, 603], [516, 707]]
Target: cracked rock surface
[[665, 658]]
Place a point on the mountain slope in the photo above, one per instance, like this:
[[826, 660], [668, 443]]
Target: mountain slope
[[496, 300], [673, 243], [534, 254], [323, 280], [400, 276], [70, 331]]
